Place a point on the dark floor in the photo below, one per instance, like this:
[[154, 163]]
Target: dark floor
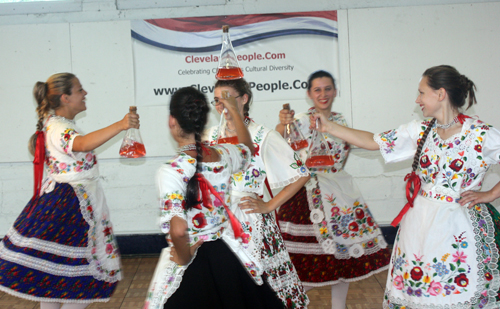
[[131, 291]]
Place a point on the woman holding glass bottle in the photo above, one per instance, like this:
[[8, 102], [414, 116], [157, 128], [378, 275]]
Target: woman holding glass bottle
[[328, 229]]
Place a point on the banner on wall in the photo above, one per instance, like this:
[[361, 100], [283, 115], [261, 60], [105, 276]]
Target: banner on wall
[[277, 53]]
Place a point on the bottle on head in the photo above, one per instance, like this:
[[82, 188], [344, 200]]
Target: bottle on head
[[228, 63]]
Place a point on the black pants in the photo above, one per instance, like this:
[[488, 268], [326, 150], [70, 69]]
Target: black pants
[[216, 279]]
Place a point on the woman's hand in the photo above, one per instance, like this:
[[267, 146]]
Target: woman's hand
[[251, 205], [175, 257], [229, 103], [91, 141], [286, 116], [131, 120], [475, 197], [320, 123]]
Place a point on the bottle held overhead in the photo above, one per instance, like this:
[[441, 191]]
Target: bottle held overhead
[[223, 139]]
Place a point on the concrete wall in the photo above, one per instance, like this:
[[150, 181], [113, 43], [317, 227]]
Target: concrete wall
[[384, 48]]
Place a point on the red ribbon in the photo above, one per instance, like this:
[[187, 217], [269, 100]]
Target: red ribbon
[[412, 181], [205, 149], [206, 188], [462, 117], [38, 162]]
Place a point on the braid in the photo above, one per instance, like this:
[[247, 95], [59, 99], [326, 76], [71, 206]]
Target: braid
[[190, 108], [421, 143], [192, 191], [40, 93], [48, 97]]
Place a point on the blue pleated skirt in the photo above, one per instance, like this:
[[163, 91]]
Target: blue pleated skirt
[[43, 257]]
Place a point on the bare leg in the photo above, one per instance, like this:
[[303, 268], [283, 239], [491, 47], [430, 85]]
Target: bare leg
[[339, 295], [74, 306], [50, 305]]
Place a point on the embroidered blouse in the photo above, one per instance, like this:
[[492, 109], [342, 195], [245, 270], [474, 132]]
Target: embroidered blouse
[[205, 222]]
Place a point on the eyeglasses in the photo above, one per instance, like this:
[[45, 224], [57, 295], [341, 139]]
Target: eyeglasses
[[216, 102]]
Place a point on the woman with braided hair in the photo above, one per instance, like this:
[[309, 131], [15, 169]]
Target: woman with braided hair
[[273, 166], [61, 249], [204, 267], [446, 250]]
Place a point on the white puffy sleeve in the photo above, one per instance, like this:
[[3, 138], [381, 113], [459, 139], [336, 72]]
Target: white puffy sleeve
[[491, 146], [62, 135], [283, 165], [172, 186], [401, 143]]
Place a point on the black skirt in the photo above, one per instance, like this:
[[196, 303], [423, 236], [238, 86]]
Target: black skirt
[[216, 279]]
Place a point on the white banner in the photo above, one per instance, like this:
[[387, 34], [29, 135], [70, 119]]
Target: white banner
[[277, 53]]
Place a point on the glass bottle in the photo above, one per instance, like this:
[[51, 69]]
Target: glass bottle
[[228, 63], [132, 145], [320, 154], [222, 126], [292, 134]]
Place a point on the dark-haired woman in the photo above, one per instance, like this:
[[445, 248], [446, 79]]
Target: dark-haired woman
[[61, 249], [209, 268], [446, 253], [328, 229], [274, 162]]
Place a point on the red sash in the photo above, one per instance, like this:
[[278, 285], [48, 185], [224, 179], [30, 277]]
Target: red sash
[[206, 188], [38, 163]]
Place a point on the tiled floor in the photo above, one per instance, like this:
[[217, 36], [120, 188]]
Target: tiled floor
[[131, 291]]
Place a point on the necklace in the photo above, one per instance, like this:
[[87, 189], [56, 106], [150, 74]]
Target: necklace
[[448, 125], [187, 147], [192, 147]]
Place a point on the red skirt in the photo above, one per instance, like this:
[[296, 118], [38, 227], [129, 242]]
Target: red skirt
[[325, 269]]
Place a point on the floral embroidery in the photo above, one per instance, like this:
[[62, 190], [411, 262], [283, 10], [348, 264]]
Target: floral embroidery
[[86, 163], [350, 221], [111, 247], [254, 176], [442, 277], [449, 170], [389, 137], [298, 163], [66, 137]]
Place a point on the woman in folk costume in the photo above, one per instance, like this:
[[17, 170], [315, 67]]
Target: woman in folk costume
[[328, 229], [446, 250], [204, 267], [273, 166], [61, 249]]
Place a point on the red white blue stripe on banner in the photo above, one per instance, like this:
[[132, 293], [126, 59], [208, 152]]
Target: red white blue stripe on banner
[[203, 34]]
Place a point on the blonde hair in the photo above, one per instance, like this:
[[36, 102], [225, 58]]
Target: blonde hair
[[48, 97]]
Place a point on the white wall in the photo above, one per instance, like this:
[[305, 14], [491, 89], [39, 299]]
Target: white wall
[[383, 52]]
